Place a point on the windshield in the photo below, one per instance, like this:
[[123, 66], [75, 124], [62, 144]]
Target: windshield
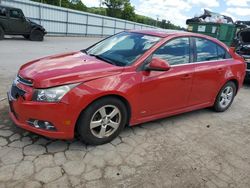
[[123, 49]]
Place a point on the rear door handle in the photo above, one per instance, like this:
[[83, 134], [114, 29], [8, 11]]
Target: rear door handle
[[186, 77]]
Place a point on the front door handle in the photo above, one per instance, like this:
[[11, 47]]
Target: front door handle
[[186, 77]]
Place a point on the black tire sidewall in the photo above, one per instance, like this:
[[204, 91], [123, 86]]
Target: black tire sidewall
[[217, 106], [83, 124], [36, 35]]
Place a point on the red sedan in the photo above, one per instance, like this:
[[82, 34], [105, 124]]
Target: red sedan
[[126, 79]]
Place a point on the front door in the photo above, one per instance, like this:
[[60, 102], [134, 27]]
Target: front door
[[163, 91]]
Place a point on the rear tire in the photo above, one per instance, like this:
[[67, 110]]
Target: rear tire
[[102, 121], [36, 35], [225, 97], [1, 33]]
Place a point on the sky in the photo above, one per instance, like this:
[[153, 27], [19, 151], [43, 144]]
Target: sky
[[177, 11]]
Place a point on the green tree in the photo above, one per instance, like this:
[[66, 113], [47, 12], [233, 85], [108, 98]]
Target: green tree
[[128, 12], [72, 4], [98, 10], [120, 9], [114, 7], [76, 5], [51, 2]]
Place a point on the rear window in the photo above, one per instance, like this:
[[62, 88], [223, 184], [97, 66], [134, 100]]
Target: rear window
[[3, 11], [207, 50], [222, 53]]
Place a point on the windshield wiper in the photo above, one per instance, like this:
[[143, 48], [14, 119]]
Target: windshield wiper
[[103, 59]]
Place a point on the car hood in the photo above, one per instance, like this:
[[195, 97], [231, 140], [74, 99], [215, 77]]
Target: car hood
[[66, 69]]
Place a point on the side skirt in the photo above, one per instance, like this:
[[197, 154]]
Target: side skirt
[[172, 113]]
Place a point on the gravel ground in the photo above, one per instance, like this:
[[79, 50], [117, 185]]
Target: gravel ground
[[196, 149]]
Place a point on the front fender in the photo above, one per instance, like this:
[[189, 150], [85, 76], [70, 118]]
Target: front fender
[[34, 27], [121, 85]]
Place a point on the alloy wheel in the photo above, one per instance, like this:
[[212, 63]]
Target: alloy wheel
[[226, 96], [105, 121]]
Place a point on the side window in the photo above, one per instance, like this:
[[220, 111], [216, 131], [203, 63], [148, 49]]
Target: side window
[[207, 50], [3, 11], [16, 14], [222, 53], [176, 51]]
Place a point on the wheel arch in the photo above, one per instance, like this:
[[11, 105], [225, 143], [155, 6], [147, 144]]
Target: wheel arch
[[117, 96], [235, 81], [36, 28]]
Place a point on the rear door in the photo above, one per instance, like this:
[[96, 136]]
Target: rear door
[[17, 22], [211, 62]]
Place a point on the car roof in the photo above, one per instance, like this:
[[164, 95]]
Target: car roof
[[158, 32], [167, 32], [178, 33]]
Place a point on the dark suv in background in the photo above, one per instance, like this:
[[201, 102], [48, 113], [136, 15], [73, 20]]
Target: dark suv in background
[[13, 22]]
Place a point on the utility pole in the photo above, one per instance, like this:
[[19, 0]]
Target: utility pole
[[156, 21], [60, 3]]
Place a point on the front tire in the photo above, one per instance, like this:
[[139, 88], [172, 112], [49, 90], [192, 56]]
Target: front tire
[[102, 121], [36, 35], [1, 33], [225, 97]]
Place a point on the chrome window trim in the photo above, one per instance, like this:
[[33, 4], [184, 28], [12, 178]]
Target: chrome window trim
[[190, 63], [201, 62]]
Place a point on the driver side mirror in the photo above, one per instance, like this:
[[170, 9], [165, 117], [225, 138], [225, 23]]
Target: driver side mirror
[[158, 64]]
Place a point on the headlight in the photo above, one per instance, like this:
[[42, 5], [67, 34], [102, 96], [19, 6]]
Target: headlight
[[54, 94]]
